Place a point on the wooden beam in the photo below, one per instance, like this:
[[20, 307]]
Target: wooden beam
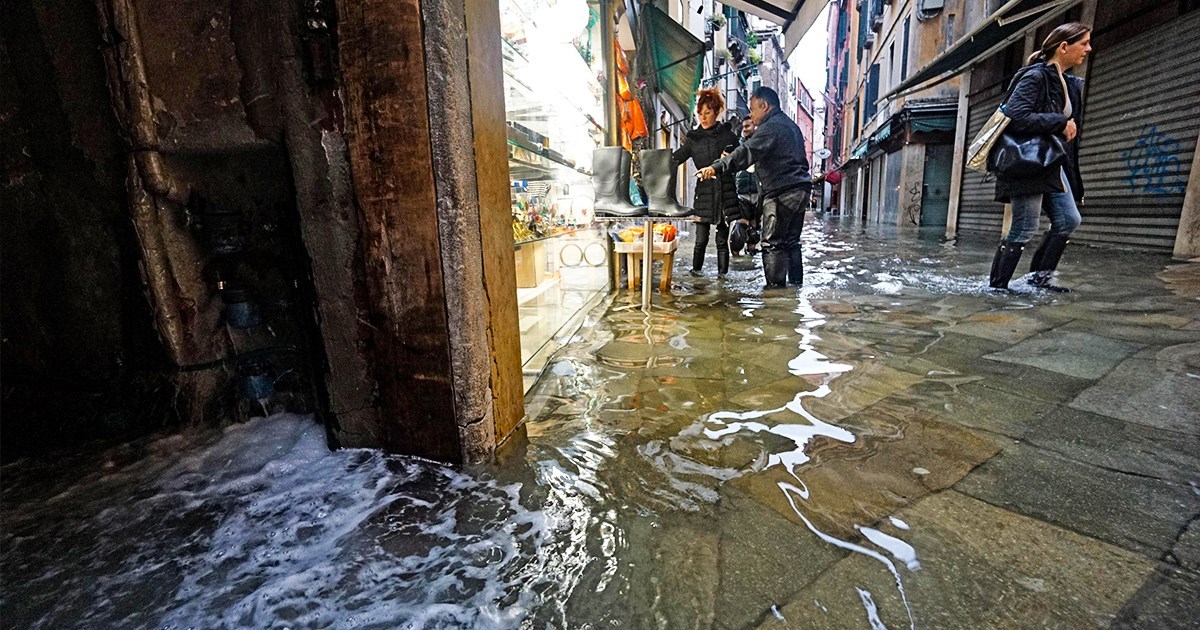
[[495, 215], [402, 297]]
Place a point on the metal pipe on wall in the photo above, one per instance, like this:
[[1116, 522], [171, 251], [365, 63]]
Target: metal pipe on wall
[[612, 121], [131, 82]]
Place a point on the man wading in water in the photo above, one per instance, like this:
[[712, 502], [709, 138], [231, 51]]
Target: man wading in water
[[776, 149]]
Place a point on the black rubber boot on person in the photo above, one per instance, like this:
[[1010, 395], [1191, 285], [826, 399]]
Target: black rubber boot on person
[[1045, 261], [1004, 264]]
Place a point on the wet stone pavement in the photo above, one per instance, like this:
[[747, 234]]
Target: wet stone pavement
[[888, 446]]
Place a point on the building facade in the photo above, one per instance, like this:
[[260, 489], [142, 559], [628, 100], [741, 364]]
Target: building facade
[[1141, 119], [894, 156], [805, 115], [909, 87]]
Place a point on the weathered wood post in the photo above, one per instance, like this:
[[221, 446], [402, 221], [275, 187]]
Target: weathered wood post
[[425, 136]]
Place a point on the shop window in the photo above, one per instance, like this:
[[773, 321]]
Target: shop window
[[551, 60]]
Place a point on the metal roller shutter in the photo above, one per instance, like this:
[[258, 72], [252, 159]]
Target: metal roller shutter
[[1139, 131], [978, 210]]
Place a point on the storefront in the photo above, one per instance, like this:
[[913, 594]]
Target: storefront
[[554, 108]]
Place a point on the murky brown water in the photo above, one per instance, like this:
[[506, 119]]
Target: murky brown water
[[886, 447]]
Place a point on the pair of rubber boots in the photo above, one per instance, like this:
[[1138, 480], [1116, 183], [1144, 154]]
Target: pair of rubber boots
[[1045, 261], [611, 167]]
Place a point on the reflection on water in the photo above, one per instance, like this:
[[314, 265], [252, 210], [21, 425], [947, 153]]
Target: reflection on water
[[722, 461]]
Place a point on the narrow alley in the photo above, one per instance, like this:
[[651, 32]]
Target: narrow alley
[[889, 446]]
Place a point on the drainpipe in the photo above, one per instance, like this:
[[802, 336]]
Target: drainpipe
[[147, 176], [119, 18]]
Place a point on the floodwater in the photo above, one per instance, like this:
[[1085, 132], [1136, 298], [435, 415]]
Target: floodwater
[[887, 447]]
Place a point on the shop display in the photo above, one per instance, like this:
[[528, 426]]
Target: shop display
[[553, 102]]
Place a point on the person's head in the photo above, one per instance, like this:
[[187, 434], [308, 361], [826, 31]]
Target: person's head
[[762, 102], [1067, 45], [747, 127], [709, 105]]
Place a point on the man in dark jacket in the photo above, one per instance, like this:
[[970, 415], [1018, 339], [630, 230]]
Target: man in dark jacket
[[777, 152]]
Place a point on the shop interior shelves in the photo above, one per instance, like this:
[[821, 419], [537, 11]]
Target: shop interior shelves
[[566, 232], [544, 168]]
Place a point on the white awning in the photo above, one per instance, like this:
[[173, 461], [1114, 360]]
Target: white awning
[[795, 16]]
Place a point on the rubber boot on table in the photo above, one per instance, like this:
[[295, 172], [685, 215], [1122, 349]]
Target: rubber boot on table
[[658, 176], [610, 178]]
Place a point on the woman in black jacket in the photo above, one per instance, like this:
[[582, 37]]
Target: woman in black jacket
[[716, 200], [1044, 100]]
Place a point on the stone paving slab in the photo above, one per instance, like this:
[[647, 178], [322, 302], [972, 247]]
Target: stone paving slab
[[685, 565], [770, 356], [1168, 600], [1133, 512], [774, 394], [1187, 548], [1184, 354], [742, 376], [1077, 354], [963, 355], [899, 454], [1005, 326], [765, 560], [858, 389], [966, 401], [980, 567], [1145, 335], [1152, 393], [1116, 444]]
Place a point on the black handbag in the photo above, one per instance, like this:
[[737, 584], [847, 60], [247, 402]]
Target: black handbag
[[1016, 156]]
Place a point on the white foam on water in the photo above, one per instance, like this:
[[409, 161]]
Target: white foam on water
[[266, 527]]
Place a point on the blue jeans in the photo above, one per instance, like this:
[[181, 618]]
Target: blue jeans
[[1027, 213]]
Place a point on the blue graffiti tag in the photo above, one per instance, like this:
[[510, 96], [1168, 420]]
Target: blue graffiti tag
[[1154, 167]]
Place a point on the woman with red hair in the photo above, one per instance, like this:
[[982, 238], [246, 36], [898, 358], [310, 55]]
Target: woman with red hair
[[716, 200]]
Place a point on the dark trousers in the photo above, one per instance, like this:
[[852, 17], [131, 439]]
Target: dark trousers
[[702, 231], [782, 222]]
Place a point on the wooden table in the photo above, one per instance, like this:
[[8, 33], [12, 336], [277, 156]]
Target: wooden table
[[634, 253]]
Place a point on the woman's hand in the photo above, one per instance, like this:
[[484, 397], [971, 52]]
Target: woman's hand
[[1070, 131]]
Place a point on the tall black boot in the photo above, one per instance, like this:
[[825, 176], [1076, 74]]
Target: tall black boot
[[702, 230], [796, 267], [722, 230], [610, 177], [1005, 263], [775, 268], [658, 176], [1045, 261]]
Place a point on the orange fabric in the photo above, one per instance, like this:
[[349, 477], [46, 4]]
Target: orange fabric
[[633, 119]]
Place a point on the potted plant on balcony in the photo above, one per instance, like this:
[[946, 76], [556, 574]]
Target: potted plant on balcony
[[716, 22]]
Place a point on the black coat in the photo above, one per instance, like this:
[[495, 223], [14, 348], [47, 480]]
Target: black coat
[[716, 199], [1035, 107]]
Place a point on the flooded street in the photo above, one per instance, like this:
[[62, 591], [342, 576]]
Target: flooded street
[[888, 446]]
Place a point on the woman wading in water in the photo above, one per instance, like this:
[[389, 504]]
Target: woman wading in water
[[716, 200], [1044, 100]]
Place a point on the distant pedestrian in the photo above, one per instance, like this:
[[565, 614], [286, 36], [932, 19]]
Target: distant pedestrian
[[713, 199], [776, 150], [1047, 101]]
